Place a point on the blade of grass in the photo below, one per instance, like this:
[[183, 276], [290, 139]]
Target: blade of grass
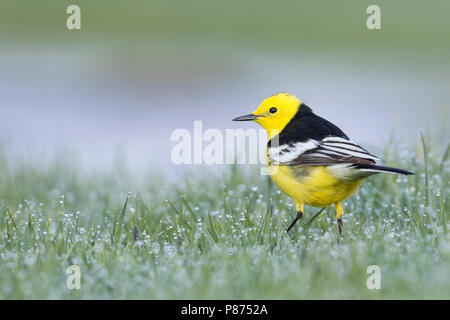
[[265, 226], [444, 158], [213, 228], [121, 218], [314, 217], [188, 207], [425, 157], [156, 232], [180, 216], [11, 218]]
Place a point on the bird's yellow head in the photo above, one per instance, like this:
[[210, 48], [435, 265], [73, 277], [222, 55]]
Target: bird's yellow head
[[274, 113]]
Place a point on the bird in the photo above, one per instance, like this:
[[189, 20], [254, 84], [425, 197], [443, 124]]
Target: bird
[[309, 158]]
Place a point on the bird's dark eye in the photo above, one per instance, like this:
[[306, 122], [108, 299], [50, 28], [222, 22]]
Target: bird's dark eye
[[273, 110]]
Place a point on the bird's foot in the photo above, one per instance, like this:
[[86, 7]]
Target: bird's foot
[[340, 225]]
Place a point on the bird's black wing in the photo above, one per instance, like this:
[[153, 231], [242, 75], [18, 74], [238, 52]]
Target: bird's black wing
[[311, 140]]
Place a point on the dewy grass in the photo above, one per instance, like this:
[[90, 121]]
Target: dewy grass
[[220, 234]]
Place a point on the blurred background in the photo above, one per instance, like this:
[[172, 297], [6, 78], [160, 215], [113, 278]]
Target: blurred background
[[137, 70]]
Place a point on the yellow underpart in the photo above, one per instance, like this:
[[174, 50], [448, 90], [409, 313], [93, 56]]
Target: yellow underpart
[[312, 185]]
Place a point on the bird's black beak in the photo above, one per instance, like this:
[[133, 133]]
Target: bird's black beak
[[247, 117]]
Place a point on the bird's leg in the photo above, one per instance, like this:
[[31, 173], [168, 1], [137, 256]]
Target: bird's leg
[[300, 208], [339, 214], [297, 217]]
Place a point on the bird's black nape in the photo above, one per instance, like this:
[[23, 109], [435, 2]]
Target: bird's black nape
[[307, 125], [303, 108]]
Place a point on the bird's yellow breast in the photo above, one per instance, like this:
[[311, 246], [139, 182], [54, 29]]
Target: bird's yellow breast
[[312, 185]]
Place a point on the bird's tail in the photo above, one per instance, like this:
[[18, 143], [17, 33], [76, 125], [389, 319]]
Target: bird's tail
[[375, 168]]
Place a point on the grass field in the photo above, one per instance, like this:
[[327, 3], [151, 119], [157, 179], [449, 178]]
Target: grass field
[[216, 235]]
